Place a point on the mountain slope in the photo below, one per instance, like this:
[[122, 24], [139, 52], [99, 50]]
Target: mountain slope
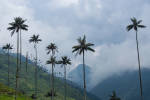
[[26, 81], [77, 75], [8, 94], [126, 85]]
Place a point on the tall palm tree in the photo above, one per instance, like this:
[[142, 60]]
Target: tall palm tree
[[135, 25], [8, 47], [16, 27], [52, 48], [35, 39], [64, 62], [52, 61], [114, 96], [80, 49]]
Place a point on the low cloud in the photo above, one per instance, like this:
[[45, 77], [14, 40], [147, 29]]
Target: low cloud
[[102, 21]]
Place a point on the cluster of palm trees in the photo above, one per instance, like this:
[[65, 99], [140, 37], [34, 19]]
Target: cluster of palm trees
[[18, 25]]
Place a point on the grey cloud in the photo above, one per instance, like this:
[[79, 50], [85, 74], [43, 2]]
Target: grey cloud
[[103, 21]]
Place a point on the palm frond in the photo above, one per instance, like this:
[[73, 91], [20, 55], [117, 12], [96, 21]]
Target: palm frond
[[129, 27], [141, 26], [82, 46], [90, 49], [139, 22]]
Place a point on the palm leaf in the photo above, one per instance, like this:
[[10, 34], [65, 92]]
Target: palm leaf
[[129, 27], [141, 26]]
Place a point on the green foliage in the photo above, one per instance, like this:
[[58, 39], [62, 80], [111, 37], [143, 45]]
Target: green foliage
[[26, 82]]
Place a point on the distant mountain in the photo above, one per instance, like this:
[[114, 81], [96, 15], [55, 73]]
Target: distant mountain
[[77, 75], [126, 86]]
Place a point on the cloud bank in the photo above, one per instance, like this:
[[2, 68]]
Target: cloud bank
[[102, 21]]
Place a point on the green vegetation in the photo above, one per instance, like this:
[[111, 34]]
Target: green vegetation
[[26, 81], [7, 93]]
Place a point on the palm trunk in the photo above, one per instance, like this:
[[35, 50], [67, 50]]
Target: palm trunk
[[8, 67], [36, 72], [26, 62], [52, 81], [20, 48], [51, 84], [17, 69], [84, 78], [52, 97], [65, 81], [140, 76]]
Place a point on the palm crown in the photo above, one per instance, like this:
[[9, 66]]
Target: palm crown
[[51, 48], [135, 24], [17, 25], [52, 60], [8, 46], [65, 61], [35, 39], [82, 46]]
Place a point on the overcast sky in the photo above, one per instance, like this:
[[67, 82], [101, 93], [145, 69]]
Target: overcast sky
[[102, 21]]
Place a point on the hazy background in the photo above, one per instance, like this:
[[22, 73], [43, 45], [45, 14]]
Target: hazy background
[[102, 21]]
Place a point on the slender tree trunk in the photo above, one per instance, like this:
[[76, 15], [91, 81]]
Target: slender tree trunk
[[20, 49], [8, 67], [140, 75], [51, 78], [27, 62], [17, 69], [65, 81], [52, 97], [52, 81], [36, 71], [84, 78]]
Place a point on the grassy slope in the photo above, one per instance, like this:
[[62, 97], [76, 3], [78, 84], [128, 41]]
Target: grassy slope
[[8, 94], [26, 82]]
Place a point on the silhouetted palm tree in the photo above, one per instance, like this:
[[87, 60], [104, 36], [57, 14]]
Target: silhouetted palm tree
[[65, 61], [17, 26], [52, 48], [52, 61], [80, 49], [8, 47], [35, 39], [114, 96], [135, 25]]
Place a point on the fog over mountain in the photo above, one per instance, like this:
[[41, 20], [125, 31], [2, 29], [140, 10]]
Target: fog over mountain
[[102, 21]]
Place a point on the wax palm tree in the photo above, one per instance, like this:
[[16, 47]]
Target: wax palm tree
[[80, 49], [35, 39], [8, 47], [114, 96], [52, 48], [53, 62], [135, 25], [64, 62], [16, 27]]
